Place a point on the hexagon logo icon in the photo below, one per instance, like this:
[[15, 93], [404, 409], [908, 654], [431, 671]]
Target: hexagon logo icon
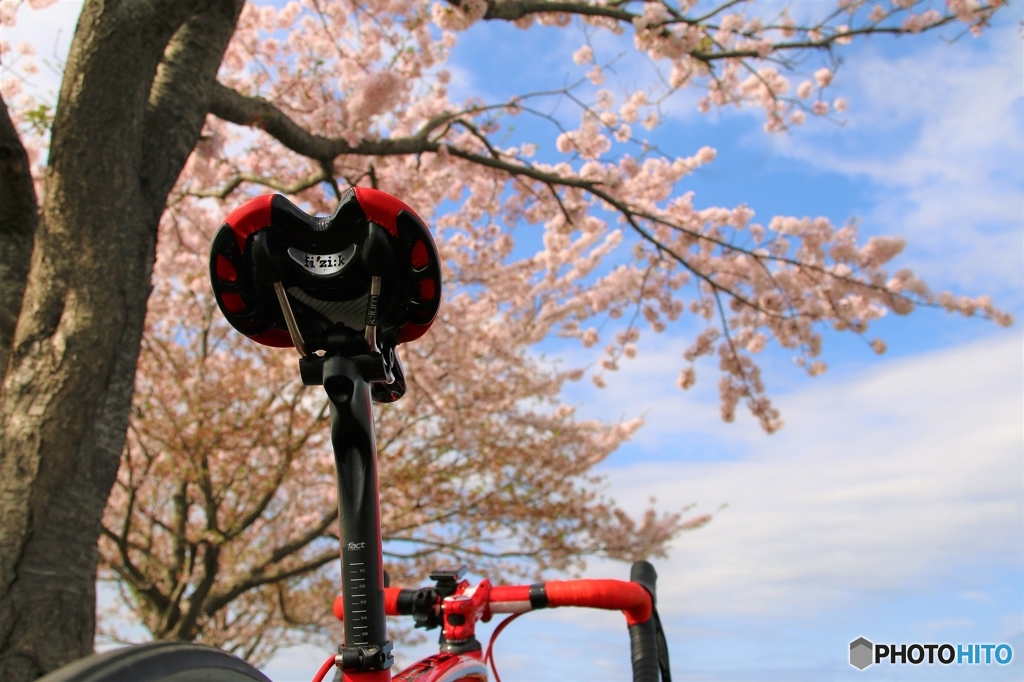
[[861, 653]]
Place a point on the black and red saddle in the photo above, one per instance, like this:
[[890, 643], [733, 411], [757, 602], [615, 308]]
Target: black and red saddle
[[358, 282]]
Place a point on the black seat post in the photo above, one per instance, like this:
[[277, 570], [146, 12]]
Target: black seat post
[[355, 452], [344, 291]]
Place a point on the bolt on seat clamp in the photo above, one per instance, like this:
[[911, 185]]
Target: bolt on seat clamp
[[363, 658]]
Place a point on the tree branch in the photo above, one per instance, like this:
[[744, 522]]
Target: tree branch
[[196, 607], [178, 98], [510, 10], [133, 576], [219, 601], [311, 180], [257, 112]]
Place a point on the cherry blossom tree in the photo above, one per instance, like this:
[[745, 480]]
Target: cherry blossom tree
[[196, 104], [223, 523]]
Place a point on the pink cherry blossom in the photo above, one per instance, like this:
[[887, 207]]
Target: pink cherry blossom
[[584, 55]]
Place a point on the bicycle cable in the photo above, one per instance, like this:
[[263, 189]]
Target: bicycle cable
[[663, 664], [489, 655], [324, 669]]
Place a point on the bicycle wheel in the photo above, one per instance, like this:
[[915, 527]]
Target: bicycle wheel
[[159, 662]]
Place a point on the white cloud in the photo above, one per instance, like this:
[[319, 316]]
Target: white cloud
[[937, 133], [887, 481], [977, 596], [945, 624]]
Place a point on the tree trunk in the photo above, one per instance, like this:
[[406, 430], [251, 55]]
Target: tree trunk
[[18, 217], [132, 105]]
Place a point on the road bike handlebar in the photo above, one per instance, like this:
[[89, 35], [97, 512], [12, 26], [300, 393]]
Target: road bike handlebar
[[612, 595], [457, 606]]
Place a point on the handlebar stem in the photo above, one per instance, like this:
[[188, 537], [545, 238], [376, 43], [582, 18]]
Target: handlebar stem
[[461, 612]]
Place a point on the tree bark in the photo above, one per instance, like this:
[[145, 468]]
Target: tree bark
[[18, 217], [132, 105]]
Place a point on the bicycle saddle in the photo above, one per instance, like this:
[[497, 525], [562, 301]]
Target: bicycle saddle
[[359, 282]]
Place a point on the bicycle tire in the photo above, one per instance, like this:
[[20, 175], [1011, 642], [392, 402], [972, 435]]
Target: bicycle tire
[[159, 662]]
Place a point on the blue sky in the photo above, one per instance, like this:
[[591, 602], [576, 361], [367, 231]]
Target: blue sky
[[891, 506]]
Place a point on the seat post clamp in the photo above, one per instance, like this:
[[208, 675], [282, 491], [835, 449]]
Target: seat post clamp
[[363, 658]]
